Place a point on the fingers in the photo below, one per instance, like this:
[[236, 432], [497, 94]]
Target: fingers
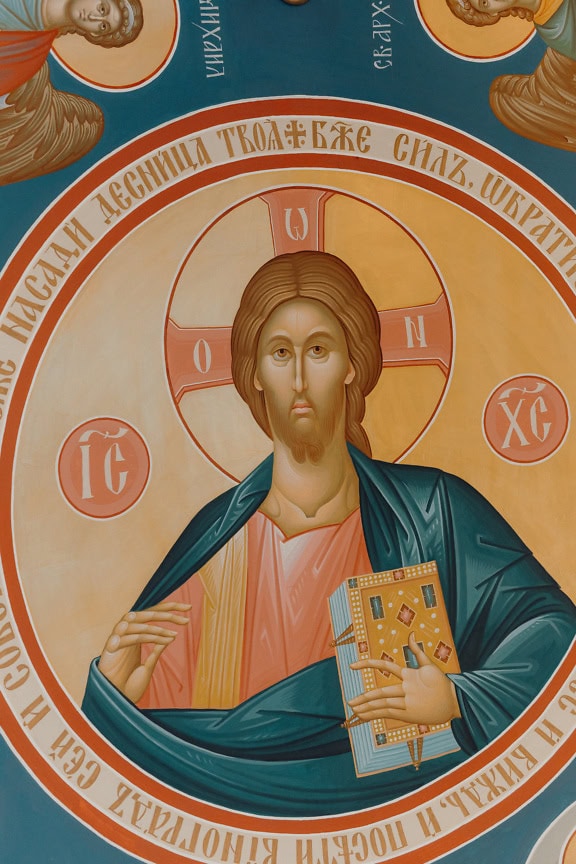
[[379, 708], [383, 714], [117, 643], [380, 693], [125, 628], [163, 612], [380, 665], [390, 665], [145, 627], [421, 656], [183, 607], [153, 657], [379, 704]]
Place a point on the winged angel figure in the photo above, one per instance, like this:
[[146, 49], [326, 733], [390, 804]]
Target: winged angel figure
[[43, 129], [542, 105]]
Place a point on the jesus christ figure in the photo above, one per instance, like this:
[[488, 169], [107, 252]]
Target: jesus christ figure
[[224, 665]]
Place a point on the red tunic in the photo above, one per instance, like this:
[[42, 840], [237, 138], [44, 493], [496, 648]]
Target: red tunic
[[22, 54], [287, 624]]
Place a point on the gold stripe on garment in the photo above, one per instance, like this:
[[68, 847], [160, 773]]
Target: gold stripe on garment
[[217, 680], [546, 9]]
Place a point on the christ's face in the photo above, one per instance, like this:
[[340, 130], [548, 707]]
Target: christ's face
[[97, 17], [303, 368]]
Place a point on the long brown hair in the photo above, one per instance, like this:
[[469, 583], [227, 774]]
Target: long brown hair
[[311, 276]]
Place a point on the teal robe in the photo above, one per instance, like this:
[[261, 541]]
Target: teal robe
[[283, 752], [559, 32]]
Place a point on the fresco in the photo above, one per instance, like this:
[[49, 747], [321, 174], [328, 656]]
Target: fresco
[[293, 321]]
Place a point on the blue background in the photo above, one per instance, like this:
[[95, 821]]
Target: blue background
[[322, 48], [35, 829]]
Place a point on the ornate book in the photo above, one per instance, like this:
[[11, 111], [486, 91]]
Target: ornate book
[[372, 617]]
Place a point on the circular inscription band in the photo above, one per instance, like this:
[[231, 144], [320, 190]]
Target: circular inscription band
[[428, 177]]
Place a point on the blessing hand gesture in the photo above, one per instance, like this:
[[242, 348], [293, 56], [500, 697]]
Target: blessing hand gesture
[[121, 659]]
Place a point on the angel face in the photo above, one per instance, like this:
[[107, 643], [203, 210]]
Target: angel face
[[493, 7], [96, 17]]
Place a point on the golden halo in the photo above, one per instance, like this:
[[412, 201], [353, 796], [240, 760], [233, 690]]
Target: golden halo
[[134, 64], [474, 43]]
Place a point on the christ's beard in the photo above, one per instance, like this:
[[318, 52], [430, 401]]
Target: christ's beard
[[306, 439], [303, 451]]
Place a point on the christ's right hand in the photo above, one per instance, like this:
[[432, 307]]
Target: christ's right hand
[[121, 660]]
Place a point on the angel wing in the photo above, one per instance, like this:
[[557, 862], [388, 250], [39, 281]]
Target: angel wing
[[43, 129], [540, 106]]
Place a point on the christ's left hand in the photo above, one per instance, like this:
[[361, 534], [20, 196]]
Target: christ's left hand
[[425, 695]]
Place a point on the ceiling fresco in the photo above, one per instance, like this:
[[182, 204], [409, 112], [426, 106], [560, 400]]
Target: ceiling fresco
[[287, 302]]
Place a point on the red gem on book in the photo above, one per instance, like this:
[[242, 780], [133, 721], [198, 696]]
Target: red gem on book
[[443, 652], [406, 615]]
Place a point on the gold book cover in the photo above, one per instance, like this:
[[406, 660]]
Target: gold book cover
[[372, 618]]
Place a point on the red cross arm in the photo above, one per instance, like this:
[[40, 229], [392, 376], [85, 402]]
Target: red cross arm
[[197, 357], [417, 335]]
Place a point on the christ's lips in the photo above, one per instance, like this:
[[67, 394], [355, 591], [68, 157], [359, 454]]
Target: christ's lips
[[301, 407]]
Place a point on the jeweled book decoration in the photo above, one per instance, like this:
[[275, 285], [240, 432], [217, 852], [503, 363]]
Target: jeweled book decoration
[[372, 617]]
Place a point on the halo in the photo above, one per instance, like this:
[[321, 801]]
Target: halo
[[132, 65], [207, 291], [474, 43]]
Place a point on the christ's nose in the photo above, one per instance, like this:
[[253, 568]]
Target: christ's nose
[[299, 383]]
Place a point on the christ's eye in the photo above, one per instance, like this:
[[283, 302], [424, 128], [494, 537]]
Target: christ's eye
[[280, 354], [318, 351]]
